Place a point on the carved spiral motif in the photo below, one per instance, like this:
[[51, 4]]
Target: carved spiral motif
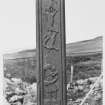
[[50, 74]]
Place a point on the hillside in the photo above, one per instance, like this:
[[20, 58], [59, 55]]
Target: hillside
[[86, 57], [87, 47]]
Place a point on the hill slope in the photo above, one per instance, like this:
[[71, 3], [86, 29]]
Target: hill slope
[[87, 57], [87, 47]]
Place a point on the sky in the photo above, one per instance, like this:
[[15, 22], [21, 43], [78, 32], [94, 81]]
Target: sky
[[85, 19]]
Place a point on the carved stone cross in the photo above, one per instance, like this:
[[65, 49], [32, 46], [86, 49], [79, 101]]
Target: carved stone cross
[[51, 52]]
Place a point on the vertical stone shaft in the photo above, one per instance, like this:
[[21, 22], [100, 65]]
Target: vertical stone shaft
[[51, 52]]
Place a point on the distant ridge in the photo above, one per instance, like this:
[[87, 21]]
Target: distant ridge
[[85, 47], [80, 48]]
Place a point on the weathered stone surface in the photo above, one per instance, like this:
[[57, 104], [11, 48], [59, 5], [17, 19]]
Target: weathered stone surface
[[51, 52]]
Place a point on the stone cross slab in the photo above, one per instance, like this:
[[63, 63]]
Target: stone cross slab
[[50, 20]]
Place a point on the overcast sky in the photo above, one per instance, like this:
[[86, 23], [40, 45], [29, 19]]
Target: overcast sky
[[85, 19]]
